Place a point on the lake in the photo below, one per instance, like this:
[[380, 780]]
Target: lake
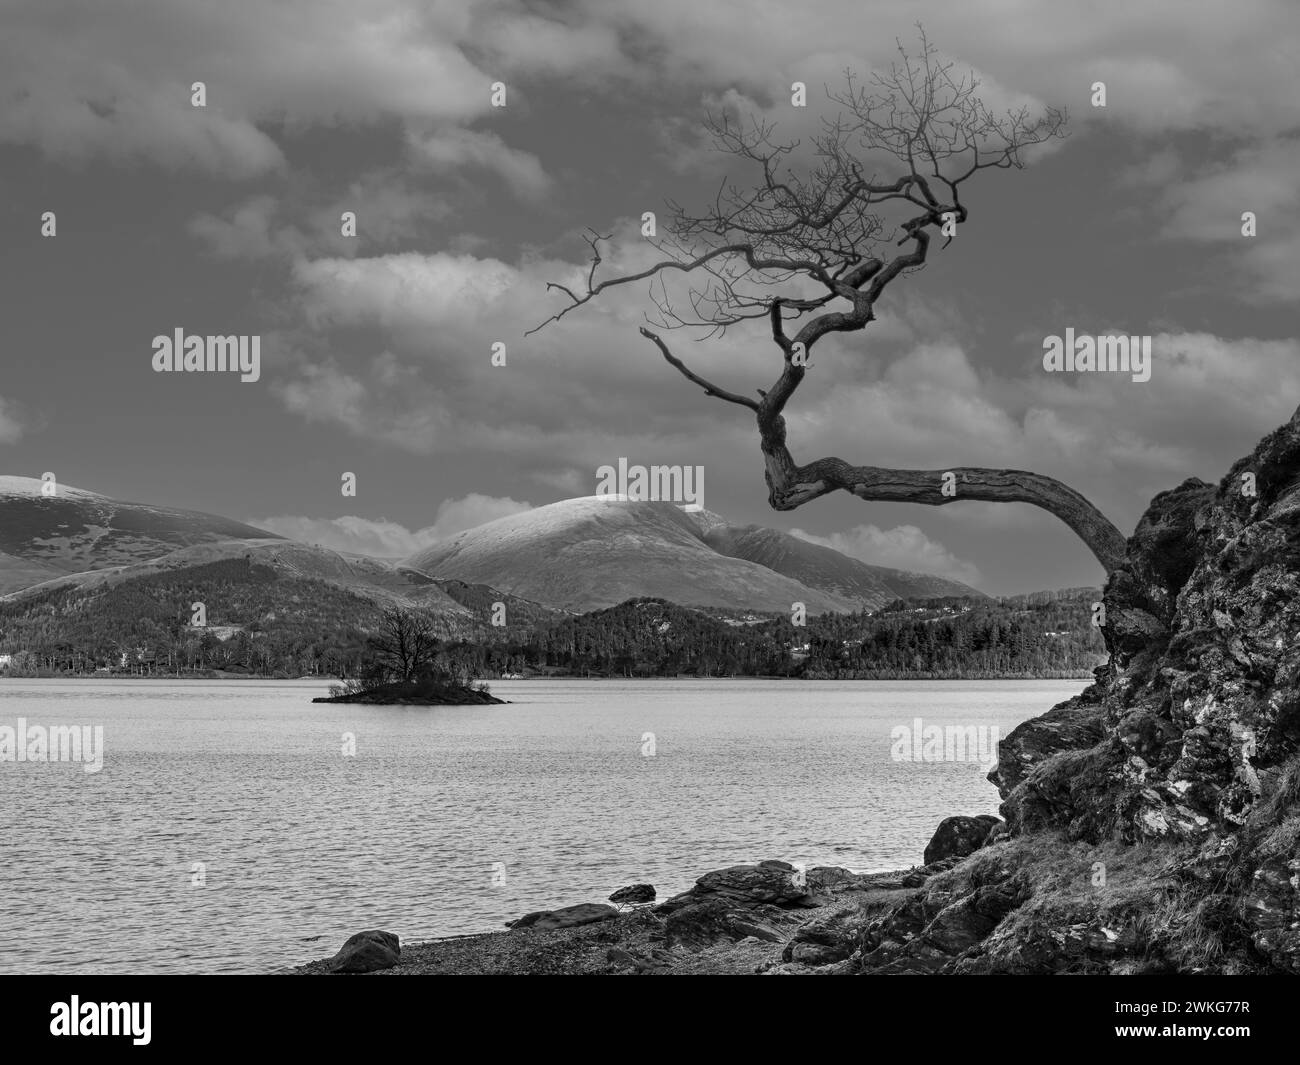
[[229, 832]]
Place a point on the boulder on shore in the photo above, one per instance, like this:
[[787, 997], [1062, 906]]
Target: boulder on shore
[[634, 893], [777, 883], [959, 836], [367, 952], [565, 917]]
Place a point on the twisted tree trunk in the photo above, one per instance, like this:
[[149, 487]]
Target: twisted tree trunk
[[790, 485]]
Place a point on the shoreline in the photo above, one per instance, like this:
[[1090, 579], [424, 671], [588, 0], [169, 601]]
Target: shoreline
[[724, 925], [767, 917]]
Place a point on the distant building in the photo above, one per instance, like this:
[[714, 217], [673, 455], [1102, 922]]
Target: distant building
[[5, 661]]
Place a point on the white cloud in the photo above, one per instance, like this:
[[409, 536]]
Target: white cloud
[[120, 85], [389, 539], [408, 289]]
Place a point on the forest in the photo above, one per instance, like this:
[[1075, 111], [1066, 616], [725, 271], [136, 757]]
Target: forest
[[262, 622]]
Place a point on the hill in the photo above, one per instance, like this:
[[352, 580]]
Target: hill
[[826, 569], [588, 553], [43, 537]]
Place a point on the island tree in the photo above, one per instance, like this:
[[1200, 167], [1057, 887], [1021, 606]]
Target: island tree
[[405, 645]]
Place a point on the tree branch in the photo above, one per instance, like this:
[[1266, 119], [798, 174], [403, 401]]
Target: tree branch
[[710, 389], [791, 485]]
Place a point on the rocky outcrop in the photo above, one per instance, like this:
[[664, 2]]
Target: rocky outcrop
[[1172, 783]]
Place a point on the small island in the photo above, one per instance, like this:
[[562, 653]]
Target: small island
[[405, 668]]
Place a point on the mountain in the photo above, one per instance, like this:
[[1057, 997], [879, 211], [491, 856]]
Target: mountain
[[592, 552], [826, 569], [42, 537], [572, 556]]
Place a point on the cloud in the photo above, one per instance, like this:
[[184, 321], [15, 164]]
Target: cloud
[[457, 515], [407, 289], [903, 547], [244, 233], [452, 148], [11, 427], [326, 394], [120, 86], [389, 539], [1168, 65], [389, 209], [1207, 207]]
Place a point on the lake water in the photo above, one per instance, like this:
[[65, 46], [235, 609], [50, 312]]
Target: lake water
[[446, 820]]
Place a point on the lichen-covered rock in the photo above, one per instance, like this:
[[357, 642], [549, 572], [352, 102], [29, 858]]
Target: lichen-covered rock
[[1203, 689]]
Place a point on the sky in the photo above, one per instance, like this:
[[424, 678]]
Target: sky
[[376, 349]]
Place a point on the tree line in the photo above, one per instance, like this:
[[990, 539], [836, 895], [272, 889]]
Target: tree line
[[266, 623]]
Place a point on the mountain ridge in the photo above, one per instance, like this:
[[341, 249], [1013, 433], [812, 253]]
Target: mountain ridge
[[572, 555]]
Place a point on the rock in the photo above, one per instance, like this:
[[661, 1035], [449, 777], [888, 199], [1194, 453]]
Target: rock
[[828, 937], [366, 952], [1272, 912], [566, 917], [705, 922], [634, 893], [1072, 725], [828, 881], [959, 836], [778, 883]]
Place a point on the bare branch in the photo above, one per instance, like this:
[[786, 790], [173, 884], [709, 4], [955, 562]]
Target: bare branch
[[710, 389]]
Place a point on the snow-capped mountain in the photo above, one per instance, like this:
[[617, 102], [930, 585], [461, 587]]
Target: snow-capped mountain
[[581, 554]]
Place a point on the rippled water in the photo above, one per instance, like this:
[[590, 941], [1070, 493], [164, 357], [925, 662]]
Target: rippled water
[[302, 846]]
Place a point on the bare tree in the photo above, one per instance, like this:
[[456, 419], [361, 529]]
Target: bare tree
[[405, 644], [812, 248]]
